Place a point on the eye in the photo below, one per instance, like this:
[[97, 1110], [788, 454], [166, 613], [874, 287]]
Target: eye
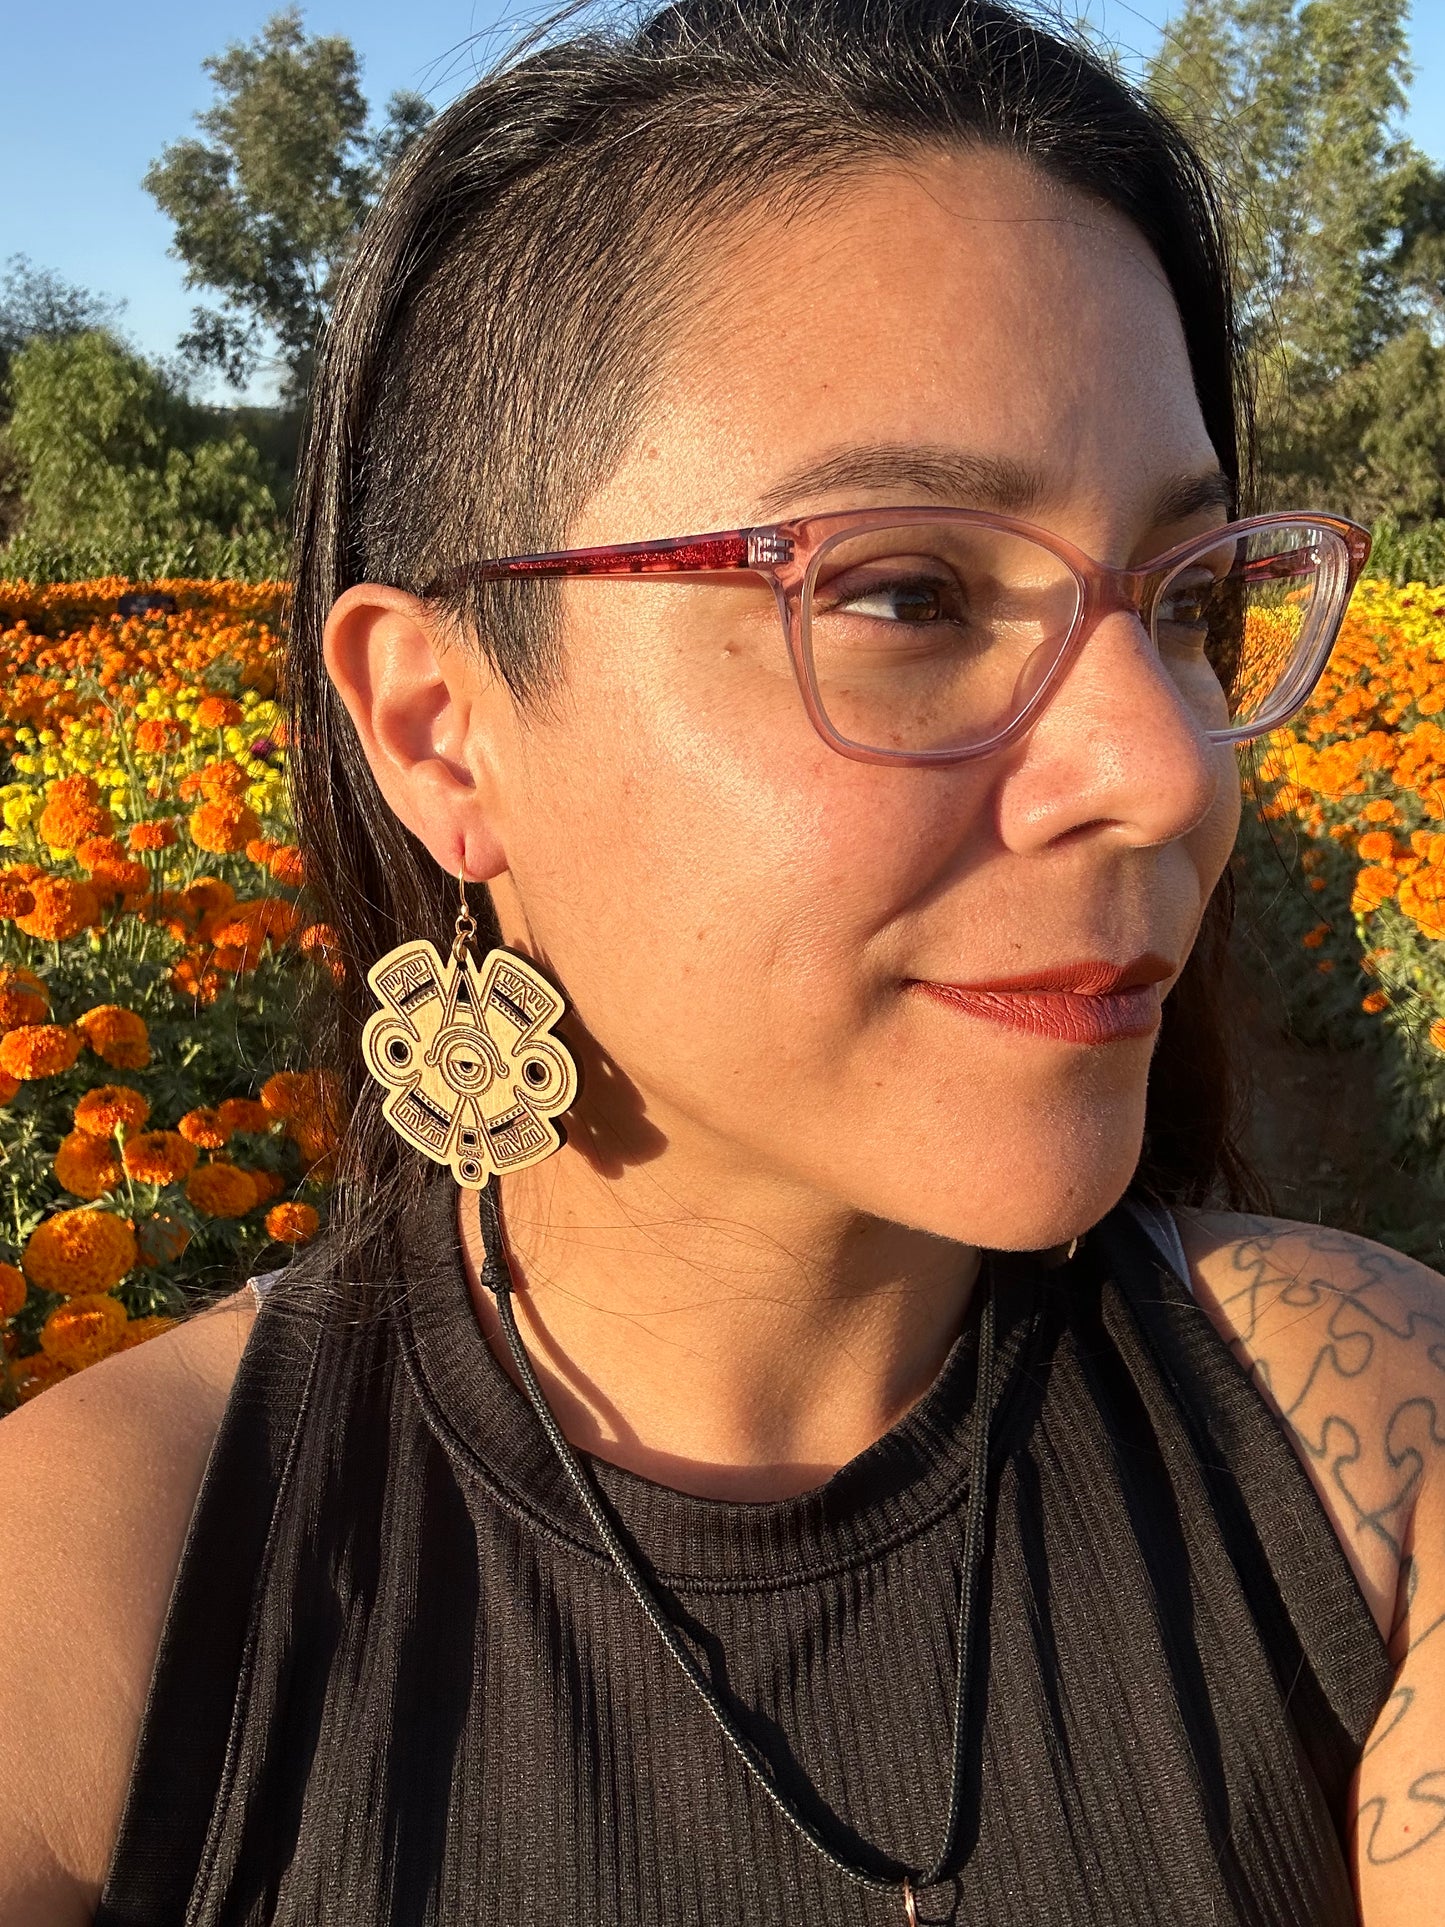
[[1186, 605], [900, 592]]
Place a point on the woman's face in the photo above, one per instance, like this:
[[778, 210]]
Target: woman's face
[[746, 921]]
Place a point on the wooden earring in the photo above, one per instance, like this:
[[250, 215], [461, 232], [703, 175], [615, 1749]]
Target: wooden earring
[[465, 1053]]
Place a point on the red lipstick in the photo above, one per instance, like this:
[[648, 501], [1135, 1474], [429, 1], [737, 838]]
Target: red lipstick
[[1076, 1003]]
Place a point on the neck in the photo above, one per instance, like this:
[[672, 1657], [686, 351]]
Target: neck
[[737, 1342]]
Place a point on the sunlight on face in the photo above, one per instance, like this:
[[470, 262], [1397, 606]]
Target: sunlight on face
[[741, 916]]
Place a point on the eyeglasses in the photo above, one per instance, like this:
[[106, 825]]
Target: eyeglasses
[[936, 635]]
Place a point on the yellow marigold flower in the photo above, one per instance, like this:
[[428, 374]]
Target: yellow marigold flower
[[138, 1330], [1373, 1003], [221, 1190], [161, 1239], [224, 827], [62, 909], [35, 1374], [12, 1290], [117, 1036], [81, 1332], [217, 712], [109, 1108], [78, 1251], [158, 1157], [38, 1050], [24, 999], [1372, 888], [243, 1114], [206, 1128], [291, 1224], [67, 820], [16, 899], [1312, 939], [159, 834], [159, 735], [86, 1165]]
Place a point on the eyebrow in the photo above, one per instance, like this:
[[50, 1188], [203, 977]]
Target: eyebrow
[[959, 478]]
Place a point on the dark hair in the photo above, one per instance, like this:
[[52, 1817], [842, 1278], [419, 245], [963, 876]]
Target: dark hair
[[488, 358]]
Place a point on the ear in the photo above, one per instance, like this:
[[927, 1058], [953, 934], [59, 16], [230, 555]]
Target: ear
[[427, 712]]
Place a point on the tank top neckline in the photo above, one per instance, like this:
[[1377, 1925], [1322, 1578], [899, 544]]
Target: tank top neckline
[[915, 1474]]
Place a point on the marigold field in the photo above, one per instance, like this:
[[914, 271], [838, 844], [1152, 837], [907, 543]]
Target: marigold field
[[155, 1141], [156, 1138]]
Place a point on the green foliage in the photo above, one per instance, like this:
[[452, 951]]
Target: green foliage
[[1339, 232], [266, 202], [122, 472], [1403, 555]]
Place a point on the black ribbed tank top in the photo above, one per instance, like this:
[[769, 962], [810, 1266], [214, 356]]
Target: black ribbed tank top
[[399, 1682]]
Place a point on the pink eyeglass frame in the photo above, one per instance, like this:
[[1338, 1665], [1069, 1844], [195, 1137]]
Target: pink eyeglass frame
[[787, 555]]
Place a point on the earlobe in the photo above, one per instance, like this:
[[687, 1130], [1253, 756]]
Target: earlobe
[[419, 702]]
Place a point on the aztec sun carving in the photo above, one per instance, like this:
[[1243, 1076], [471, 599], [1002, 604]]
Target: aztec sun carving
[[473, 1075]]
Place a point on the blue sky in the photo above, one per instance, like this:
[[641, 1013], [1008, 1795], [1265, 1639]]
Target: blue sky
[[95, 90]]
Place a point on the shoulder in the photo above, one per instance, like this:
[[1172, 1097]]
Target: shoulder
[[1345, 1340], [100, 1477]]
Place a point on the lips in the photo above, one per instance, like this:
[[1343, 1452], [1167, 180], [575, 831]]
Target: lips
[[1091, 1002]]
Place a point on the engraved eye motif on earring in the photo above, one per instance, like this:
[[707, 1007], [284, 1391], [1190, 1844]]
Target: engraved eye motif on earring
[[465, 1052]]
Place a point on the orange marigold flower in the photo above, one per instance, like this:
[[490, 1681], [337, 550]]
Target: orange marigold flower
[[8, 1087], [161, 1239], [117, 1036], [1422, 896], [1376, 846], [207, 895], [78, 1251], [1312, 939], [81, 788], [62, 909], [16, 899], [287, 865], [35, 1374], [159, 834], [291, 1224], [218, 712], [66, 821], [287, 1094], [159, 735], [138, 1330], [220, 782], [318, 939], [158, 1157], [223, 827], [1437, 1035], [12, 1290], [81, 1332], [38, 1050], [1380, 810], [206, 1128], [109, 1108], [24, 999], [243, 1114], [269, 1184], [1372, 888], [221, 1190], [1374, 1002], [86, 1165]]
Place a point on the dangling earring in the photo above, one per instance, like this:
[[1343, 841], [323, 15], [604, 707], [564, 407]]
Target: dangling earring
[[473, 1075]]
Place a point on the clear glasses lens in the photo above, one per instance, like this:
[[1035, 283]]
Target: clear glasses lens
[[935, 635], [1240, 626]]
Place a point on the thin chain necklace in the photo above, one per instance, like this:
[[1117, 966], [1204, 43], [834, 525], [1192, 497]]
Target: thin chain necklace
[[497, 1278]]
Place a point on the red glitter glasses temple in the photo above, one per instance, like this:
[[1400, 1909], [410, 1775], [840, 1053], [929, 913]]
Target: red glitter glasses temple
[[1005, 606]]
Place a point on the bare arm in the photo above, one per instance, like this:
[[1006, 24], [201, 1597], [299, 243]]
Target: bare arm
[[1346, 1339]]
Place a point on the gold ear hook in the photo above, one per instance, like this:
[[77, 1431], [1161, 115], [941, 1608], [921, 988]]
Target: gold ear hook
[[466, 922]]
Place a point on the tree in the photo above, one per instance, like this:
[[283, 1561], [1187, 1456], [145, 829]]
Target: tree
[[118, 465], [1339, 230], [37, 304], [267, 201]]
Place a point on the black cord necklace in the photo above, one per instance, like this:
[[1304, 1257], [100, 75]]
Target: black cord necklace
[[497, 1278]]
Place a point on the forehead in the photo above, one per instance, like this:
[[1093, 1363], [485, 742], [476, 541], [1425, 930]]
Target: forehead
[[953, 301]]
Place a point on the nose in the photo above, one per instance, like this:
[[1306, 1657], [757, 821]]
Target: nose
[[1116, 748]]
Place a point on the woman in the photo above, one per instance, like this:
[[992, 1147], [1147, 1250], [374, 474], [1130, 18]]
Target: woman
[[824, 1489]]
